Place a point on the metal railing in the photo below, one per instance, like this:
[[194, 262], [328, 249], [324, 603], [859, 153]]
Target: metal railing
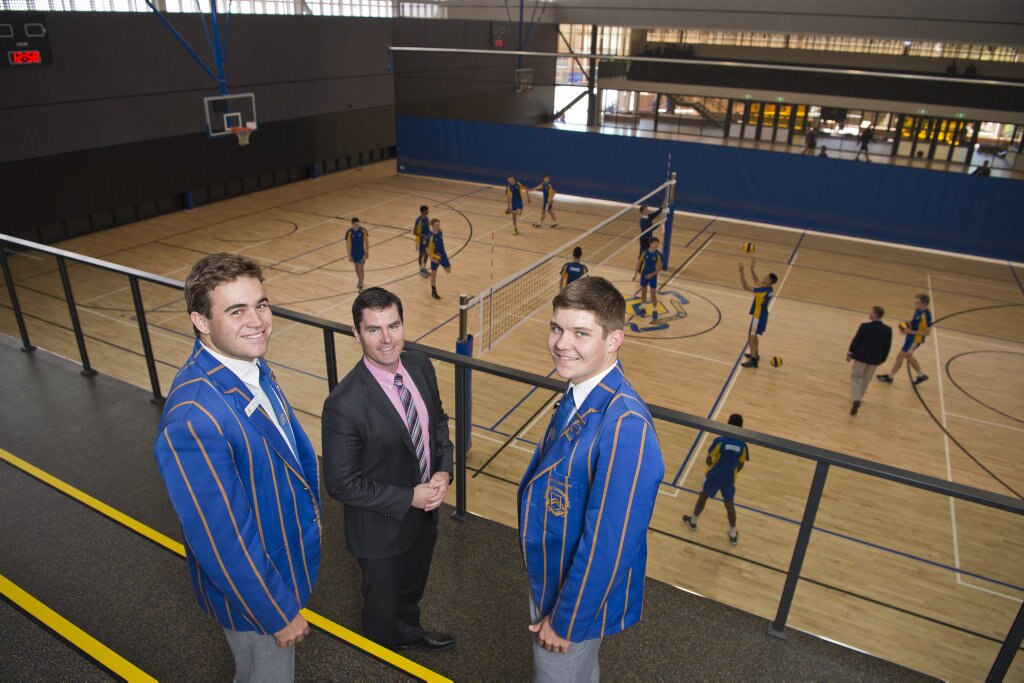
[[824, 459]]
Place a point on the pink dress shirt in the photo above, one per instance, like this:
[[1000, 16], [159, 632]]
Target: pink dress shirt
[[386, 380]]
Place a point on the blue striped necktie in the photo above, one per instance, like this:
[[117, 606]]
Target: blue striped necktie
[[412, 420], [267, 385], [566, 407]]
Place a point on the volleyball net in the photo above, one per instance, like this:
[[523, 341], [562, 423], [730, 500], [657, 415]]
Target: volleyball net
[[497, 311]]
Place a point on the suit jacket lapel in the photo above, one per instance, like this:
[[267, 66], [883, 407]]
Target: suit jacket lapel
[[236, 392]]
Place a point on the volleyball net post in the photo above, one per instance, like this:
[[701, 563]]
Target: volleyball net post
[[670, 211]]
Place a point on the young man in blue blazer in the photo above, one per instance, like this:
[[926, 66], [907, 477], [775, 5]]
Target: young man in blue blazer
[[241, 473], [586, 498]]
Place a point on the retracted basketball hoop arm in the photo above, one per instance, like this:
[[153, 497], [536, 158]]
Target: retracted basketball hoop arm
[[214, 39]]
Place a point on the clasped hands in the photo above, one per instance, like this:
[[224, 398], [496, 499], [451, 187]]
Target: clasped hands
[[547, 638], [430, 495]]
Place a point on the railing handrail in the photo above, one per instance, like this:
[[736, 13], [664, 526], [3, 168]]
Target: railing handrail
[[792, 447]]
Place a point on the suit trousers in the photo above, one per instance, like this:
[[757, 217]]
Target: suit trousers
[[860, 379], [393, 587], [579, 665], [259, 659]]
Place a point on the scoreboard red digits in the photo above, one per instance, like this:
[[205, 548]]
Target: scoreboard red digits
[[22, 57]]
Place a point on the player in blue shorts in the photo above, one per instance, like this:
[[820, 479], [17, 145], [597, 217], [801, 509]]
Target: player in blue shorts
[[421, 233], [763, 291], [726, 458], [357, 244], [514, 195], [438, 256], [573, 270], [646, 222], [917, 328], [547, 198], [648, 266]]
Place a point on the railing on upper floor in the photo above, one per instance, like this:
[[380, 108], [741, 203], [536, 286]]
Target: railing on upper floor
[[824, 459]]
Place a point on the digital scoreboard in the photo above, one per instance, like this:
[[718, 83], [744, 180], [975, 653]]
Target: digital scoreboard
[[24, 40]]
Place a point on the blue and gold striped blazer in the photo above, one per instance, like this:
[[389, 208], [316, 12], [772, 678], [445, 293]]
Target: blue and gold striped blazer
[[584, 505], [250, 513]]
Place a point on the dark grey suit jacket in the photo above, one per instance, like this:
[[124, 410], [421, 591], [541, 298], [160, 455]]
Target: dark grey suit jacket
[[369, 461], [871, 343]]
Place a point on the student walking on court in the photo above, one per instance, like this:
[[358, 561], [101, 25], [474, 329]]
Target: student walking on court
[[763, 291], [868, 350], [646, 226], [514, 192], [647, 267], [421, 233], [810, 141], [438, 256], [547, 198], [587, 496], [241, 473], [357, 244], [914, 331], [573, 270], [726, 458]]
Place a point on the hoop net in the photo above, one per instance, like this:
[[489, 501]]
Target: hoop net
[[243, 135], [501, 308]]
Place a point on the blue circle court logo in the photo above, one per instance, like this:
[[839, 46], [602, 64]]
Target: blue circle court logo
[[650, 317], [677, 315]]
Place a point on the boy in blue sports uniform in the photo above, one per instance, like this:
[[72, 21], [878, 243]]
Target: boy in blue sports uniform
[[421, 232], [646, 221], [647, 267], [514, 195], [917, 328], [438, 256], [726, 458], [573, 270], [547, 199], [763, 292], [357, 244]]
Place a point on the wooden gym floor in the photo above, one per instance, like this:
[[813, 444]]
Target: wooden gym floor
[[906, 575]]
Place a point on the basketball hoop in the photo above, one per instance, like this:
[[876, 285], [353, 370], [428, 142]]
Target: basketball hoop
[[243, 135]]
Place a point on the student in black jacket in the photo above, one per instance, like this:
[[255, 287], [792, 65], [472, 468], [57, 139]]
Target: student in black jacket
[[868, 350]]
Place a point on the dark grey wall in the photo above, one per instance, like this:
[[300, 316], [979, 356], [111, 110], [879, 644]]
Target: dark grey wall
[[113, 130]]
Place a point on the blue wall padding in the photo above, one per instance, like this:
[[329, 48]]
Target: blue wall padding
[[940, 210]]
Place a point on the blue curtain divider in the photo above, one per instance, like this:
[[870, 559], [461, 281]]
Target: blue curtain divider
[[934, 209]]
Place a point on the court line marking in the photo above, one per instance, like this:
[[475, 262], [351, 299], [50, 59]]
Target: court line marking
[[986, 422], [1016, 277], [337, 630], [77, 638], [945, 437]]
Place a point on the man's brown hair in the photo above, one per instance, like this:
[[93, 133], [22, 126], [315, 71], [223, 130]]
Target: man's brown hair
[[211, 271], [597, 295]]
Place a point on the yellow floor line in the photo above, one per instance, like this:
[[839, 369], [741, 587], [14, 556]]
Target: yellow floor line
[[106, 657], [337, 630]]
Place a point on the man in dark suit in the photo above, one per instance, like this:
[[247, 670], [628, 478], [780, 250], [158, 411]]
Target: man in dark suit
[[868, 350], [388, 458]]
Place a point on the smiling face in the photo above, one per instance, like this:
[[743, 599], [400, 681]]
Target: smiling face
[[240, 320], [382, 336], [579, 346]]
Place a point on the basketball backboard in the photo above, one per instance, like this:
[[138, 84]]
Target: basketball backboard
[[224, 113]]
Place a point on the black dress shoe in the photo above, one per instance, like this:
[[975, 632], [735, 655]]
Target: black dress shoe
[[429, 641]]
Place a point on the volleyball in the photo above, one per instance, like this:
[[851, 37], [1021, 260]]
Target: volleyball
[[904, 327], [776, 361], [748, 247]]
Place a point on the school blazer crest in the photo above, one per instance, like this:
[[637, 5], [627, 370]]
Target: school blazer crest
[[249, 509], [585, 502]]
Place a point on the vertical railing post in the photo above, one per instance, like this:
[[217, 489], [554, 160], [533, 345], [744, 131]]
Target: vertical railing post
[[76, 324], [332, 359], [1005, 657], [26, 345], [778, 627], [461, 423], [147, 347]]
